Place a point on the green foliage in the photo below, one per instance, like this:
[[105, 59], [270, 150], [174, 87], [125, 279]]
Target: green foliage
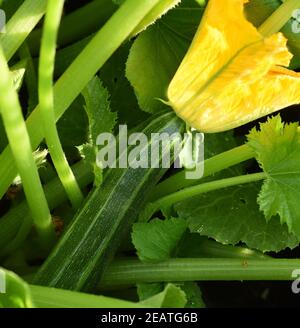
[[232, 216], [171, 297], [156, 241], [122, 97], [193, 295], [121, 73], [101, 119], [158, 51], [277, 147], [73, 128], [97, 106]]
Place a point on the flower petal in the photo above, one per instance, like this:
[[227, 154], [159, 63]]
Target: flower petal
[[231, 74]]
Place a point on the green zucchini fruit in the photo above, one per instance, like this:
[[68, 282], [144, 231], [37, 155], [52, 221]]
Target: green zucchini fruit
[[92, 238]]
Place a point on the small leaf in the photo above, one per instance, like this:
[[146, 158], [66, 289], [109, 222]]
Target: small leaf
[[122, 98], [101, 120], [18, 73], [193, 295], [159, 10], [156, 240], [148, 290], [171, 297], [277, 148], [73, 128]]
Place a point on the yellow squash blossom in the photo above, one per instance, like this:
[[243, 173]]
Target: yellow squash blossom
[[232, 74]]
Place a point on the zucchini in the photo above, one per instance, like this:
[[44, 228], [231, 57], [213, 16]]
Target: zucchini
[[92, 238]]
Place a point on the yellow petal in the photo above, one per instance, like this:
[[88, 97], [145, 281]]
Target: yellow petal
[[231, 75]]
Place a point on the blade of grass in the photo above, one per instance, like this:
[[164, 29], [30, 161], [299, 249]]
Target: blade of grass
[[80, 72], [21, 149], [46, 101]]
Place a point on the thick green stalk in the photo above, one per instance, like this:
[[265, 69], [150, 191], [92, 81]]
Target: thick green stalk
[[46, 101], [211, 166], [78, 24], [183, 194], [21, 24], [129, 272], [84, 67], [279, 18], [22, 152]]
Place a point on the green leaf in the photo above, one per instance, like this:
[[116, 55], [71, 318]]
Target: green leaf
[[73, 129], [18, 73], [123, 100], [278, 152], [193, 295], [259, 10], [157, 240], [101, 120], [232, 216], [159, 10], [146, 291], [157, 53], [171, 297], [14, 292]]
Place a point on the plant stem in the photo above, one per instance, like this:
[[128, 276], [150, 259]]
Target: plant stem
[[128, 272], [79, 73], [211, 166], [21, 149], [10, 224], [178, 196], [21, 24], [209, 248], [279, 18], [78, 24], [44, 297], [46, 101]]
